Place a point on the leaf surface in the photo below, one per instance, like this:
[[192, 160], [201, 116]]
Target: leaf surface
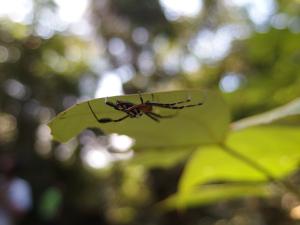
[[275, 148], [210, 194], [190, 126]]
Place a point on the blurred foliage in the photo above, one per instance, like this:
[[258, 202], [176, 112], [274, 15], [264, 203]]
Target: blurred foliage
[[42, 74], [271, 56], [276, 148]]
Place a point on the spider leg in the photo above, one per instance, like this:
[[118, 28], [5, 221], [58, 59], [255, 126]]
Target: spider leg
[[169, 104], [172, 106], [94, 114], [141, 98], [180, 102], [108, 120], [152, 117], [185, 101], [192, 105], [105, 120], [111, 104]]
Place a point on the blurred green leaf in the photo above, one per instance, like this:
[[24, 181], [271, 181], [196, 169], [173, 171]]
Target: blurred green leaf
[[274, 148], [192, 126], [292, 108], [210, 194], [160, 158]]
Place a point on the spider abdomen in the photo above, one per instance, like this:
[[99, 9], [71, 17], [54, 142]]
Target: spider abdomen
[[145, 108], [130, 109]]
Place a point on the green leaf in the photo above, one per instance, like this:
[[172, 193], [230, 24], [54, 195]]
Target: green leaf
[[160, 158], [191, 126], [292, 108], [214, 193], [274, 148]]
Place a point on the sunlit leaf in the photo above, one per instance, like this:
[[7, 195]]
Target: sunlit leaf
[[190, 126], [214, 193], [274, 148], [293, 108]]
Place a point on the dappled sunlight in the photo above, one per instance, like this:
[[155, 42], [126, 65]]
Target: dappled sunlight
[[150, 112], [55, 61], [171, 61], [120, 147], [125, 72], [74, 15], [280, 21], [190, 64], [120, 143], [15, 89], [43, 144], [45, 114], [65, 151], [117, 146], [17, 10], [230, 82], [174, 9], [50, 20], [95, 157], [206, 43], [259, 11], [146, 63], [3, 54], [211, 46], [48, 24], [140, 35], [8, 128], [109, 85], [295, 213], [98, 153], [117, 47]]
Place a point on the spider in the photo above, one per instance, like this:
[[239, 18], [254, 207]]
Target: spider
[[137, 110]]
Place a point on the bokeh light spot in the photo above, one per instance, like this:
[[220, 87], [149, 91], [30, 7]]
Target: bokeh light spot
[[174, 9], [95, 158], [116, 46], [8, 127], [3, 54], [230, 82], [121, 143], [15, 89], [109, 85]]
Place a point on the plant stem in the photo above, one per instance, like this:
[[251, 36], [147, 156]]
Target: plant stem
[[289, 187]]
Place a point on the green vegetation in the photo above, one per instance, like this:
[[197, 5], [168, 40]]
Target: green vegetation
[[232, 160]]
